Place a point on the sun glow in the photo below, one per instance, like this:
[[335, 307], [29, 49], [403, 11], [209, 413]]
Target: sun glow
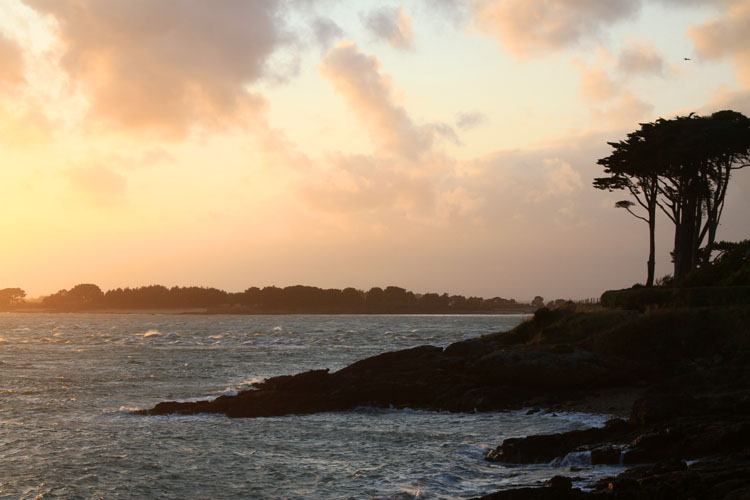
[[433, 148]]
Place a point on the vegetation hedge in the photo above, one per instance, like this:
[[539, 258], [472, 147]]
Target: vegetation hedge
[[644, 298]]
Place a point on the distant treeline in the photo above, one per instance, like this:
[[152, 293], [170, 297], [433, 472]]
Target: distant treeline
[[254, 300]]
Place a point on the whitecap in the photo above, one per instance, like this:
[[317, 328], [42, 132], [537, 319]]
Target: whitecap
[[573, 459], [152, 333], [247, 383], [128, 409], [590, 419]]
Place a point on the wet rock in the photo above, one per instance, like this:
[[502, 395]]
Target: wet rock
[[545, 448], [606, 455], [560, 483], [468, 376]]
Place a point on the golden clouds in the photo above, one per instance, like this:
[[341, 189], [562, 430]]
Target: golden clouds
[[11, 65], [357, 77], [640, 58], [166, 65], [400, 176], [727, 36], [97, 184], [165, 117], [596, 84], [528, 28], [354, 184], [605, 86]]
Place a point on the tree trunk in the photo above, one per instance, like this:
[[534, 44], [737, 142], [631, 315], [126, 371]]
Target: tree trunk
[[651, 246], [685, 240]]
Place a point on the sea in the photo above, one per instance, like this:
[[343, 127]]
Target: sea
[[69, 384]]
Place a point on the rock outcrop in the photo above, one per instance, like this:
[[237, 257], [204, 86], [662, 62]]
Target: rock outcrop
[[461, 378], [691, 365]]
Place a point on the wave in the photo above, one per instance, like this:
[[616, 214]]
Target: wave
[[573, 459], [242, 386], [130, 410], [156, 334]]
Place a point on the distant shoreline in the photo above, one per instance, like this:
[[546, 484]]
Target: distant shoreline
[[297, 299], [204, 312]]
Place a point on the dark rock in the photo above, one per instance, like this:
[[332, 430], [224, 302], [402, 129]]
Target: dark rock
[[606, 455], [537, 494], [560, 483], [660, 407], [545, 448]]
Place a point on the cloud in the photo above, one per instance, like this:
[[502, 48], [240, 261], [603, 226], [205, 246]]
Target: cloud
[[154, 156], [11, 68], [611, 104], [326, 32], [368, 183], [357, 77], [28, 128], [535, 28], [596, 85], [556, 179], [166, 65], [392, 25], [535, 189], [727, 36], [404, 178], [454, 11], [470, 119], [639, 58], [97, 184], [724, 99], [458, 202], [624, 113]]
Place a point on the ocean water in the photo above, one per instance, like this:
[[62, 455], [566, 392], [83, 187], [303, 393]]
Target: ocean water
[[69, 383]]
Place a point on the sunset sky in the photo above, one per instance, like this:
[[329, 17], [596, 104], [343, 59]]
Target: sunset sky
[[437, 145]]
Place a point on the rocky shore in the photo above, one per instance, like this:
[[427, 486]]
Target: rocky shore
[[688, 369]]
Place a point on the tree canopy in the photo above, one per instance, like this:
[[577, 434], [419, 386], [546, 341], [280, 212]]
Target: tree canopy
[[682, 166], [272, 299], [11, 297]]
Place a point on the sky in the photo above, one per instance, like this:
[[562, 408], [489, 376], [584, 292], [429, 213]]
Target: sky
[[437, 145]]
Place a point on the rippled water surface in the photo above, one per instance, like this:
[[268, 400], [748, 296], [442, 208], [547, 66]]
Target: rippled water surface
[[68, 383]]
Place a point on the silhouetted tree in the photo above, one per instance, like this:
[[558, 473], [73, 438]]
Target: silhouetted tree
[[374, 299], [352, 298], [538, 301], [729, 267], [633, 165], [11, 297], [83, 296], [682, 166], [272, 299]]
